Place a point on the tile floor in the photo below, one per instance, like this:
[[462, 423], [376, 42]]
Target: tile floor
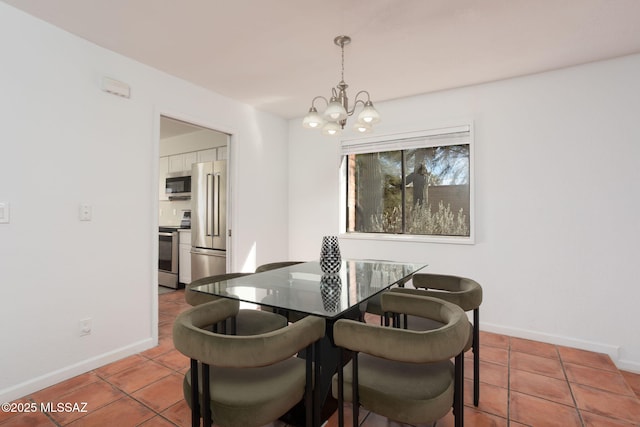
[[523, 383]]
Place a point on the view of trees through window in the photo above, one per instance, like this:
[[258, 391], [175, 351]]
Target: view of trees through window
[[421, 191]]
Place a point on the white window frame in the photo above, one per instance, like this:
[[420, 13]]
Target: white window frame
[[397, 141]]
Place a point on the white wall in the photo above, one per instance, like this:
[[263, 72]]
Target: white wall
[[65, 142], [557, 201]]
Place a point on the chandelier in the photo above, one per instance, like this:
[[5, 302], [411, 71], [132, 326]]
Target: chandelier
[[335, 115]]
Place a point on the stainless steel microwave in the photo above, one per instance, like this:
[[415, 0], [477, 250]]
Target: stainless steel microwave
[[178, 185]]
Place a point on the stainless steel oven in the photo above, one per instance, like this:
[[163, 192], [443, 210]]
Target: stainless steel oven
[[168, 257]]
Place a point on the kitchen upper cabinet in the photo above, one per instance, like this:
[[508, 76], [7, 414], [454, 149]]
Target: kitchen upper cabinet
[[207, 155], [182, 162], [163, 168]]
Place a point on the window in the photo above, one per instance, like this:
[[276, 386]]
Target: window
[[416, 186]]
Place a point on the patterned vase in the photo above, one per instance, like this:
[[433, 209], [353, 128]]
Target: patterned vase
[[330, 290], [330, 260]]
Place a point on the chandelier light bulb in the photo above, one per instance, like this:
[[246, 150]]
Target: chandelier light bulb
[[331, 129], [369, 114], [313, 120], [362, 127], [335, 111]]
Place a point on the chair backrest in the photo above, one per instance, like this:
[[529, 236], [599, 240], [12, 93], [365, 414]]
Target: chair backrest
[[235, 351], [274, 265], [405, 345], [196, 298], [464, 292]]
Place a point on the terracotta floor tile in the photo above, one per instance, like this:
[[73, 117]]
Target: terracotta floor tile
[[493, 400], [598, 378], [55, 391], [174, 360], [586, 358], [162, 394], [179, 414], [610, 405], [158, 421], [13, 410], [534, 347], [165, 330], [493, 340], [31, 419], [473, 418], [534, 411], [633, 380], [541, 386], [95, 395], [491, 354], [490, 373], [165, 344], [124, 412], [139, 376], [119, 366], [593, 420], [537, 364]]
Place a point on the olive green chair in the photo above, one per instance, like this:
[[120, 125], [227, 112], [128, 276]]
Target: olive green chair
[[244, 381], [291, 316], [274, 265], [247, 321], [465, 293], [404, 375]]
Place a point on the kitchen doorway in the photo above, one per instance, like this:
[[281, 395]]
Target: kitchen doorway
[[183, 144]]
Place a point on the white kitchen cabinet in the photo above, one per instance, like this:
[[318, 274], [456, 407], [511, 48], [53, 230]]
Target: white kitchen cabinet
[[182, 162], [184, 256], [207, 155], [163, 168]]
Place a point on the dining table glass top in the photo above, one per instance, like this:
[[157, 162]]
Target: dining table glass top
[[304, 288]]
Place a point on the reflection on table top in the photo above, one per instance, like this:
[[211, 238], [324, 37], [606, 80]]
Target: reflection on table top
[[306, 289]]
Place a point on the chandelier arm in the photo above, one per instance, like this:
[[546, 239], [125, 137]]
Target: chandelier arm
[[319, 97]]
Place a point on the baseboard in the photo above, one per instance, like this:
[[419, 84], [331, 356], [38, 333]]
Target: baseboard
[[611, 350], [51, 378], [628, 365]]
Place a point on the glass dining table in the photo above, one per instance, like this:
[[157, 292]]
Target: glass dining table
[[304, 289]]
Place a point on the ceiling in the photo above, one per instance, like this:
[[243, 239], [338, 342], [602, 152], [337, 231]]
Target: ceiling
[[278, 54]]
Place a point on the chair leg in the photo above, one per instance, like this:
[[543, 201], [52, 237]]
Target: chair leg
[[206, 396], [354, 386], [195, 395], [341, 390], [458, 394], [308, 398], [476, 356]]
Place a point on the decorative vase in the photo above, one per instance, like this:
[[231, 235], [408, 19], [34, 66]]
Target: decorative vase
[[330, 260], [330, 290]]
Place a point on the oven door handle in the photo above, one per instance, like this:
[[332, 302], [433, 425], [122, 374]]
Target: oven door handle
[[166, 234]]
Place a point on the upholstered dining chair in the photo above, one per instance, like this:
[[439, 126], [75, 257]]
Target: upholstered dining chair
[[465, 293], [291, 316], [274, 265], [404, 375], [247, 321], [244, 381]]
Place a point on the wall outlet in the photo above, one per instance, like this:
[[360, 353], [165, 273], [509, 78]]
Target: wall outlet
[[85, 212], [85, 327]]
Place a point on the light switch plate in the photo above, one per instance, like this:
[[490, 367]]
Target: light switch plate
[[4, 213], [85, 212]]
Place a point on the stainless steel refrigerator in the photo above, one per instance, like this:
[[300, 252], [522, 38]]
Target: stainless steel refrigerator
[[208, 219]]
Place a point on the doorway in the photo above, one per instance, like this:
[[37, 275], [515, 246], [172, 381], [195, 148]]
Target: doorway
[[181, 145]]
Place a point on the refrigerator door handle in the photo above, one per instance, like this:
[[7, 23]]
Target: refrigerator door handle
[[209, 206], [216, 205]]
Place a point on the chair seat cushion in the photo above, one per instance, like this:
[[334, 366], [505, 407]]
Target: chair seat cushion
[[252, 396], [405, 392]]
